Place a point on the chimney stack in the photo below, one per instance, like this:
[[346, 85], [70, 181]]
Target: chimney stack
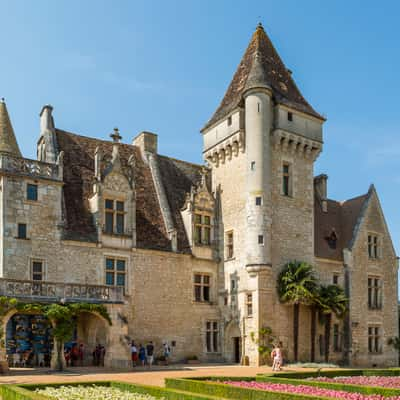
[[147, 142], [321, 189]]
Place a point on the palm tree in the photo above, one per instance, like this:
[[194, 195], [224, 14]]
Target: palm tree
[[297, 285], [331, 300]]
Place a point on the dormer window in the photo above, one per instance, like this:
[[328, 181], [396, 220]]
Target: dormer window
[[332, 240], [114, 216], [202, 229]]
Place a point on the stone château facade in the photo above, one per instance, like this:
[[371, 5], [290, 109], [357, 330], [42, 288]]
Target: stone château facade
[[190, 254]]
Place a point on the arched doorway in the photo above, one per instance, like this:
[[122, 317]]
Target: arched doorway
[[92, 334], [232, 342]]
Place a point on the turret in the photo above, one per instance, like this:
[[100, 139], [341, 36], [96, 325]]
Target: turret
[[47, 144], [8, 142]]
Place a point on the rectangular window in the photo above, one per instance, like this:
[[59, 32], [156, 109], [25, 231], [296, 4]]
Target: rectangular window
[[336, 338], [229, 245], [249, 304], [260, 239], [286, 180], [32, 192], [374, 293], [21, 231], [202, 229], [373, 246], [202, 287], [335, 279], [258, 201], [114, 216], [290, 116], [253, 166], [230, 121], [212, 337], [115, 272], [374, 339], [37, 271]]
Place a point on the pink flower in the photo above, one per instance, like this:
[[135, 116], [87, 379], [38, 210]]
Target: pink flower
[[381, 381], [308, 390]]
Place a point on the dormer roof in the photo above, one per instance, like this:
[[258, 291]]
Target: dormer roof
[[261, 66]]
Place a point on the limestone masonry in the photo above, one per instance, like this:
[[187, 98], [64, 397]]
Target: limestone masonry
[[189, 254]]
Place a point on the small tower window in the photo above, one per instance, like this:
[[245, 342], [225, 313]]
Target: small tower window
[[229, 120], [21, 231], [290, 116], [286, 179], [258, 201], [260, 239], [229, 245], [32, 192], [253, 166], [258, 107]]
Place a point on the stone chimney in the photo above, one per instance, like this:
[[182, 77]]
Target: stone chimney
[[321, 189], [147, 142]]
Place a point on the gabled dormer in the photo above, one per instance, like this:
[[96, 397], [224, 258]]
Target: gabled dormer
[[113, 203], [198, 215]]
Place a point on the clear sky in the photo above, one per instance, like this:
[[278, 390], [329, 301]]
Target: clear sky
[[164, 66]]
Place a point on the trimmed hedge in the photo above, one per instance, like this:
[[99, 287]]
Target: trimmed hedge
[[334, 373], [333, 386], [26, 391], [233, 392]]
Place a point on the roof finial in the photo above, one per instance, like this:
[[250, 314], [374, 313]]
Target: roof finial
[[260, 25], [3, 100], [116, 137]]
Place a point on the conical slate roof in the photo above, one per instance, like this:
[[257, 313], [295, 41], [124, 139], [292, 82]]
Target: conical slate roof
[[8, 142], [261, 66]]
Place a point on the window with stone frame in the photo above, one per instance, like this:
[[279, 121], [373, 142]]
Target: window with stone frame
[[229, 245], [115, 272], [22, 231], [373, 246], [212, 337], [337, 345], [114, 216], [249, 304], [374, 293], [374, 339], [202, 229], [32, 192], [286, 179], [37, 269], [202, 287]]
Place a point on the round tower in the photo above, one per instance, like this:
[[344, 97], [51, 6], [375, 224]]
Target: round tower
[[258, 122]]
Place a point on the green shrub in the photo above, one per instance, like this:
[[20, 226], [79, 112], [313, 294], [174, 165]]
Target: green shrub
[[26, 391], [232, 392]]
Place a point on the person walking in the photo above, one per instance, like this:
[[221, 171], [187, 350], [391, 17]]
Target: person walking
[[167, 352], [150, 353], [134, 354], [276, 356], [142, 355]]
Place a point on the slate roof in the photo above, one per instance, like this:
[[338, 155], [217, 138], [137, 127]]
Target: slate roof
[[8, 142], [261, 66], [342, 217], [177, 177]]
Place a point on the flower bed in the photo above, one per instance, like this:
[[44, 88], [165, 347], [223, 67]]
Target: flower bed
[[308, 390], [381, 381], [91, 393]]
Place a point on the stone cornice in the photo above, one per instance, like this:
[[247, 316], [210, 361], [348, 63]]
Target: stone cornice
[[226, 149]]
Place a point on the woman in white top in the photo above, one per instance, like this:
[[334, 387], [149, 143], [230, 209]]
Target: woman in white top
[[276, 356]]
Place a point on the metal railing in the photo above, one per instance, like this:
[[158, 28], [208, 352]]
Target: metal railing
[[60, 291]]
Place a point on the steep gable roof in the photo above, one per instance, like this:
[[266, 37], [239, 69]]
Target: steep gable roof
[[177, 177], [261, 66], [342, 218]]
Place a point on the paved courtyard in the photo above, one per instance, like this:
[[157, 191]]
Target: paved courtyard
[[137, 375]]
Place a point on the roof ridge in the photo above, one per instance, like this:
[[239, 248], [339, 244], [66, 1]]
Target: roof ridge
[[182, 161]]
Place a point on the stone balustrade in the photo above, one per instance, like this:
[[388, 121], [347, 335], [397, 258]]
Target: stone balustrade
[[34, 168], [44, 291]]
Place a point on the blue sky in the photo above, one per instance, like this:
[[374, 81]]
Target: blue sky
[[164, 66]]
